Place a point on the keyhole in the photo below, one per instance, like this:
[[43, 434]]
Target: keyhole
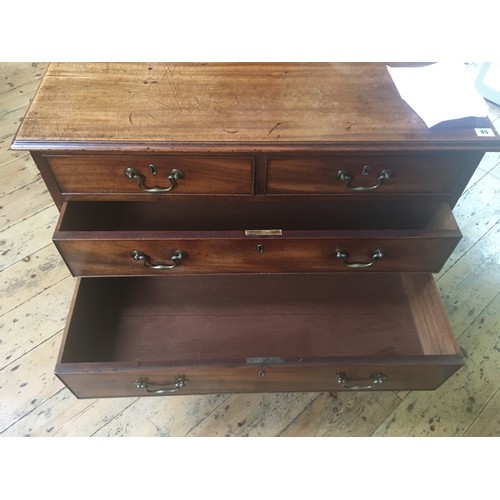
[[365, 171], [153, 168], [260, 248]]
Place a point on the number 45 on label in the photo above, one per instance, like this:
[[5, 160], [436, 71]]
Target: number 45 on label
[[485, 132]]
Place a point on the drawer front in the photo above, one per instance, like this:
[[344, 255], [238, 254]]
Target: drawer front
[[149, 257], [151, 175], [437, 174], [104, 381], [106, 239]]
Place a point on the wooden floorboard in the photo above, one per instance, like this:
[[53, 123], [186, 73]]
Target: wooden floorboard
[[36, 289]]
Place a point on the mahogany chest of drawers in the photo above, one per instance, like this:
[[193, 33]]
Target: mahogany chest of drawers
[[249, 227]]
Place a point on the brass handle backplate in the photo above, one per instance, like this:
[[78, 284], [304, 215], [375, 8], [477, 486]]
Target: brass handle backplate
[[376, 379], [344, 256], [179, 383], [173, 177], [345, 177], [177, 257]]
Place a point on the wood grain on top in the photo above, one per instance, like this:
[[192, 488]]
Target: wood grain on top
[[228, 106]]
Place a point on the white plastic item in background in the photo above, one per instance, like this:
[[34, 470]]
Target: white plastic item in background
[[488, 81]]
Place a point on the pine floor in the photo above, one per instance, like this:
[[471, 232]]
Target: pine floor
[[36, 289]]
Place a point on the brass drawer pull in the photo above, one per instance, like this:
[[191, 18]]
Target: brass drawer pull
[[146, 259], [174, 176], [376, 379], [179, 383], [343, 256], [345, 177]]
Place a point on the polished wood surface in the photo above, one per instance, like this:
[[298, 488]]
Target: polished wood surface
[[105, 174], [415, 174], [255, 333], [228, 106], [36, 290], [96, 239]]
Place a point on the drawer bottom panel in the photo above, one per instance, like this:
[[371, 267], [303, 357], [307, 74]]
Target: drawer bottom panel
[[256, 333]]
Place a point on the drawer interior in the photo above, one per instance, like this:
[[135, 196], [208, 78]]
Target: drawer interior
[[221, 215], [193, 320]]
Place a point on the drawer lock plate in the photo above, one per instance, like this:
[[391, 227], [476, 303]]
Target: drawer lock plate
[[264, 361], [263, 232]]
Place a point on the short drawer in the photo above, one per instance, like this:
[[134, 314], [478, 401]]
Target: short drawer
[[256, 333], [416, 173], [120, 239], [147, 176]]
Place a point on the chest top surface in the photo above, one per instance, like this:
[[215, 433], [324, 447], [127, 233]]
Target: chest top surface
[[230, 107]]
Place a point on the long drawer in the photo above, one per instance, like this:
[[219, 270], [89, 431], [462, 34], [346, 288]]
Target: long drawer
[[146, 177], [256, 333], [415, 173], [119, 239]]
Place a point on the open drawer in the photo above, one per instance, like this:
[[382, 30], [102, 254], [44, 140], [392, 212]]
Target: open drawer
[[272, 235], [256, 333]]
